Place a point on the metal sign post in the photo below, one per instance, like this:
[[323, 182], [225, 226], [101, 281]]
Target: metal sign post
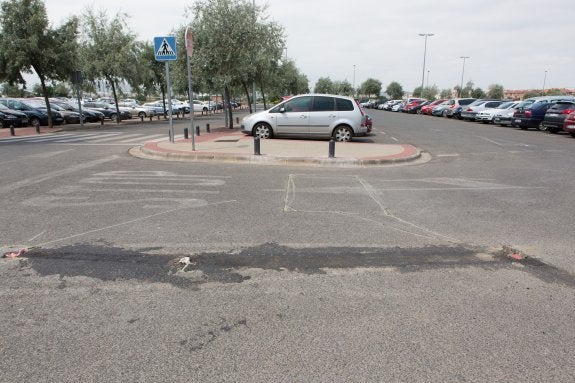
[[165, 50], [190, 49]]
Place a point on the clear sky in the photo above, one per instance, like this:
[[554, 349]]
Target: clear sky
[[519, 44]]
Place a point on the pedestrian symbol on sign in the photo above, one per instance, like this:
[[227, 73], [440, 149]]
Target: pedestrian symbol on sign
[[165, 49]]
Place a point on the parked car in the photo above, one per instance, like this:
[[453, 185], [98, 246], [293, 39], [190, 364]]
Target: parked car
[[108, 110], [309, 115], [69, 116], [90, 115], [137, 110], [413, 104], [441, 109], [200, 107], [487, 116], [426, 109], [12, 117], [555, 116], [530, 112], [569, 124], [398, 107], [36, 116], [504, 117], [158, 107], [471, 110], [455, 107], [389, 104]]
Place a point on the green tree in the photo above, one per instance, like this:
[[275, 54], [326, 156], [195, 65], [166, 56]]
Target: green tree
[[445, 94], [370, 87], [109, 50], [478, 93], [343, 88], [394, 90], [234, 45], [467, 89], [12, 90], [495, 91], [324, 85], [29, 44]]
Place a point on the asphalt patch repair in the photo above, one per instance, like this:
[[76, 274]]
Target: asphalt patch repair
[[109, 263]]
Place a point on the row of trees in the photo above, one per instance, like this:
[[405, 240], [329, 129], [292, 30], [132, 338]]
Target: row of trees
[[234, 46], [372, 88]]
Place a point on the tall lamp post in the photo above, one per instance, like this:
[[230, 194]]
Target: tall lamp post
[[462, 72], [544, 80], [254, 84], [426, 35], [353, 86]]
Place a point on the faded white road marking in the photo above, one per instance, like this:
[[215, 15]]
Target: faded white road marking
[[57, 173]]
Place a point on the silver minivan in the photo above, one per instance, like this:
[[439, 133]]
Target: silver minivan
[[309, 116]]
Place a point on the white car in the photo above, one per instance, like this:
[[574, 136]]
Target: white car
[[309, 115], [487, 116], [137, 110], [200, 106], [503, 117]]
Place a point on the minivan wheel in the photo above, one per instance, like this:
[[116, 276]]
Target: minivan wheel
[[541, 127], [262, 130], [342, 133]]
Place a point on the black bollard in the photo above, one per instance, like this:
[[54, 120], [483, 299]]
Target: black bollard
[[197, 130], [12, 132], [186, 133], [331, 148], [208, 128], [256, 145], [141, 118]]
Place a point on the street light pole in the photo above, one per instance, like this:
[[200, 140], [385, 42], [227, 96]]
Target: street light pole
[[544, 80], [426, 35], [353, 86], [254, 85], [462, 72]]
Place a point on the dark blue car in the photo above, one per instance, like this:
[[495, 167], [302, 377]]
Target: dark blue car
[[531, 112]]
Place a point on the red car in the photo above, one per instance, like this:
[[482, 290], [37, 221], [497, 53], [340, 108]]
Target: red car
[[412, 104], [569, 124], [426, 109]]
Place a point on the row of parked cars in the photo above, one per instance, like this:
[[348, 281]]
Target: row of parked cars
[[546, 113], [19, 112]]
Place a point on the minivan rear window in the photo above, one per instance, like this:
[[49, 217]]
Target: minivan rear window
[[343, 104]]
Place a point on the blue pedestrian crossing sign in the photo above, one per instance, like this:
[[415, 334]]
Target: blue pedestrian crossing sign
[[165, 48]]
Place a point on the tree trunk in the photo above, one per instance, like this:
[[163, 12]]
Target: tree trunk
[[48, 109], [116, 100], [245, 86], [263, 95], [227, 103]]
